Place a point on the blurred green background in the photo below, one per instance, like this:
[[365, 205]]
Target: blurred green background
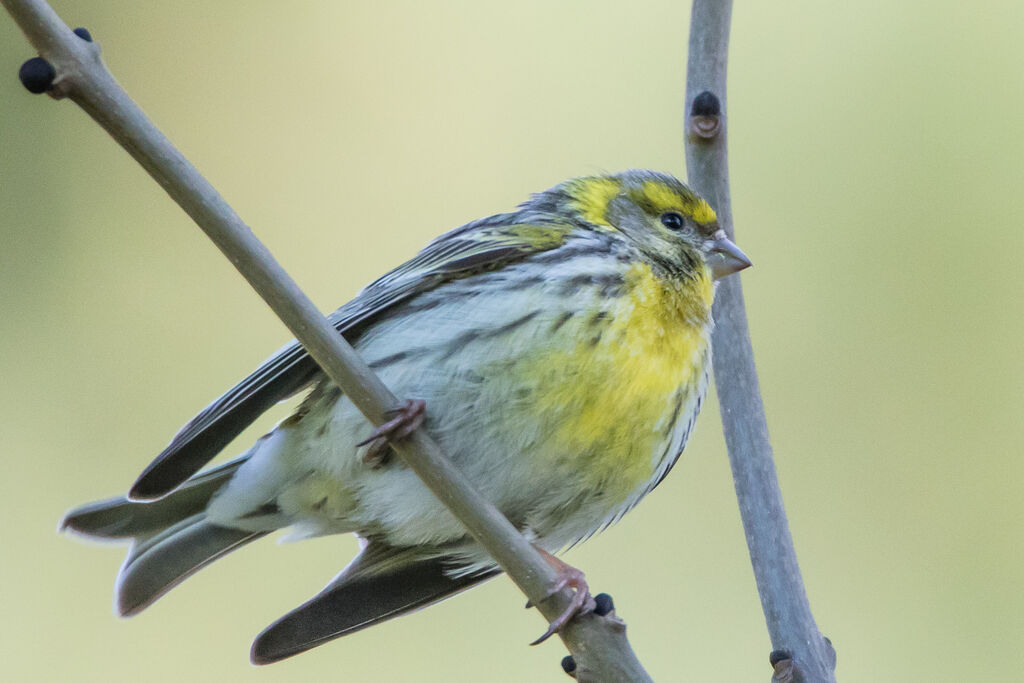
[[875, 153]]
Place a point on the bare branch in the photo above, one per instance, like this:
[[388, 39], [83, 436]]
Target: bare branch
[[598, 645], [800, 652]]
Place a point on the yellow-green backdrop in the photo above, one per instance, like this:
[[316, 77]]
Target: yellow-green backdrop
[[876, 163]]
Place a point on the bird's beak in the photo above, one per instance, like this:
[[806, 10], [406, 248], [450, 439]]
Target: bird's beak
[[724, 257]]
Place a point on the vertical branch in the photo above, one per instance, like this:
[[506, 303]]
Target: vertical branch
[[800, 652]]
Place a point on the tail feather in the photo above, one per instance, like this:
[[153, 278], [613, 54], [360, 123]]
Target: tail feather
[[171, 537], [379, 584], [124, 518], [159, 563]]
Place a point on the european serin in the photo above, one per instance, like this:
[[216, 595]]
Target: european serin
[[563, 352]]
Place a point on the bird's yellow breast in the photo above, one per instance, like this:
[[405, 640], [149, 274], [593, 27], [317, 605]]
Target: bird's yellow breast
[[609, 393]]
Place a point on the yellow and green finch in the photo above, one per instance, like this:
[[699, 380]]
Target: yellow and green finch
[[559, 354]]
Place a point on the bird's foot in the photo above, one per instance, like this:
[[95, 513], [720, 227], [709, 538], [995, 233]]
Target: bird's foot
[[581, 603], [407, 418]]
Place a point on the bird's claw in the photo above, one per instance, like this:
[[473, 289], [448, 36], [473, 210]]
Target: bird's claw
[[581, 603], [407, 418]]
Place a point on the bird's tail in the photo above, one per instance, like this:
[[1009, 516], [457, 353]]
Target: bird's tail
[[171, 537]]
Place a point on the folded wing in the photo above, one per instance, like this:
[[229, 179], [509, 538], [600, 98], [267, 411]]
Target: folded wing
[[488, 244]]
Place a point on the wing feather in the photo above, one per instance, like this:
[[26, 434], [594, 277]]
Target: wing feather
[[488, 244]]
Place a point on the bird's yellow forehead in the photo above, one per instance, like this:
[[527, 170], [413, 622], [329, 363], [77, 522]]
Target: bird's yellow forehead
[[593, 195], [661, 198]]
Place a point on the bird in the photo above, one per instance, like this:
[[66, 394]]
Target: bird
[[559, 354]]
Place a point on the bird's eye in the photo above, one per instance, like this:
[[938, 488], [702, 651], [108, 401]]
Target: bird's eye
[[673, 220]]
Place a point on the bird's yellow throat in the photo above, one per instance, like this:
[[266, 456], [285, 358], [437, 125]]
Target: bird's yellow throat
[[609, 402]]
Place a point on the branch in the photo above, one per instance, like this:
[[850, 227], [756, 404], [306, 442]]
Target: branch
[[800, 651], [598, 645]]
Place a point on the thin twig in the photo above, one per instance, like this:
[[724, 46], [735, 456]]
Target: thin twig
[[598, 645], [799, 649]]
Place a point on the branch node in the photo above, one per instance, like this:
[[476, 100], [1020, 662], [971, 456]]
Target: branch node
[[706, 115], [786, 671], [830, 651]]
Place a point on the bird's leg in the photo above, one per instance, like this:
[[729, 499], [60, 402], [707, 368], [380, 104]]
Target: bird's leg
[[581, 601], [378, 454], [407, 418]]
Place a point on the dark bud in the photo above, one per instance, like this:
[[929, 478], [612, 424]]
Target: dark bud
[[706, 104], [568, 664], [706, 115], [603, 604], [84, 34], [777, 656], [37, 75]]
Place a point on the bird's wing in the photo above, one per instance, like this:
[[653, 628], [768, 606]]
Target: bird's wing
[[383, 582], [488, 244]]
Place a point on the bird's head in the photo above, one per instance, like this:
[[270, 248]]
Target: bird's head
[[661, 216]]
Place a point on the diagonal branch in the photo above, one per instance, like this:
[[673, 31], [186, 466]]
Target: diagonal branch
[[801, 653], [598, 645]]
